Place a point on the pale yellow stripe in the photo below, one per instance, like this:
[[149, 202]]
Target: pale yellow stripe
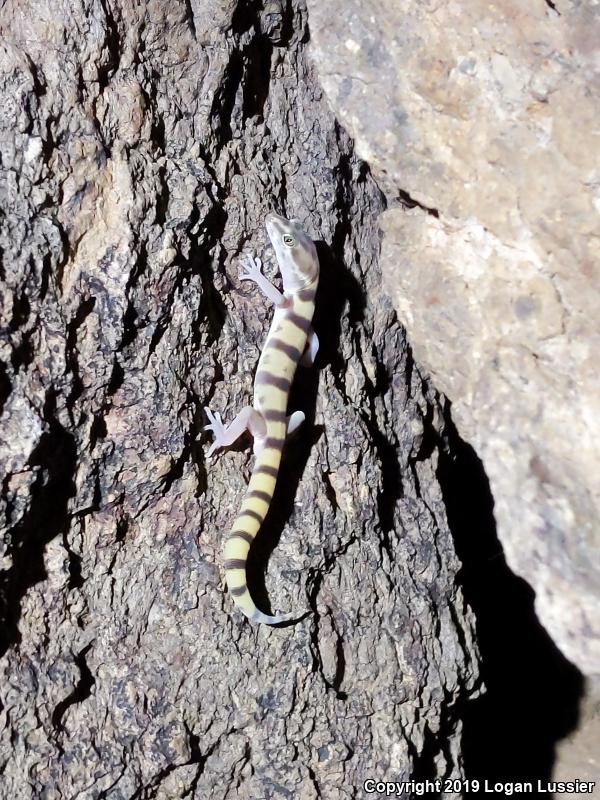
[[256, 504]]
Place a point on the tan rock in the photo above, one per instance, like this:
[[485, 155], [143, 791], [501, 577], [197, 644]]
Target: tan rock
[[487, 115]]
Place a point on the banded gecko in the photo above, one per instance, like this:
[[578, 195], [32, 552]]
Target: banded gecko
[[290, 340]]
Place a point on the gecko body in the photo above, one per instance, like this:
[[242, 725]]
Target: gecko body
[[289, 341]]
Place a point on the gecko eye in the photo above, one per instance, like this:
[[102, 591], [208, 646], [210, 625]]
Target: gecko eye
[[289, 240]]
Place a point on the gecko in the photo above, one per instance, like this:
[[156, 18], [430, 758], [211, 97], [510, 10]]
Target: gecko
[[291, 340]]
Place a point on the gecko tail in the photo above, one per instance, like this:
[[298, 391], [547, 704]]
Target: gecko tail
[[247, 524], [243, 600], [266, 619]]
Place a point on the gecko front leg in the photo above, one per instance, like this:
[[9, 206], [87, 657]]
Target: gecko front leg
[[294, 421], [249, 419], [251, 270], [311, 350]]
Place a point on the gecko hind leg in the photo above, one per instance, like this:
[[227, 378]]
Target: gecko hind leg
[[249, 419]]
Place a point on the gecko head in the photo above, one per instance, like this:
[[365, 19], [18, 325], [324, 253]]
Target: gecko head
[[296, 252]]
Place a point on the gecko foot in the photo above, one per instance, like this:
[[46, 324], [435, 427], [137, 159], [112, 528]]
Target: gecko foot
[[217, 428], [250, 268]]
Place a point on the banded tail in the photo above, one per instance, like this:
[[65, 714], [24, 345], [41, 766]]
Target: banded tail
[[247, 524]]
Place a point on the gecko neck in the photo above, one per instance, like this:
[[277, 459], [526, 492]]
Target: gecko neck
[[294, 289]]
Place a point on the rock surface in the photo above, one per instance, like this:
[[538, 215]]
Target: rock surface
[[482, 123], [141, 146]]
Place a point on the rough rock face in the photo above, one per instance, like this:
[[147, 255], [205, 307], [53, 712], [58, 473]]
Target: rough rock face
[[484, 119], [141, 146]]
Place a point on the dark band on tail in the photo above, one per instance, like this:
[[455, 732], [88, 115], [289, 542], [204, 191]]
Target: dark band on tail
[[247, 537], [247, 512], [235, 563], [265, 469], [259, 495]]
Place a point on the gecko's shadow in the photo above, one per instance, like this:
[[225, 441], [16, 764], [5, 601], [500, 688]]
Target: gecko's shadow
[[337, 290]]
